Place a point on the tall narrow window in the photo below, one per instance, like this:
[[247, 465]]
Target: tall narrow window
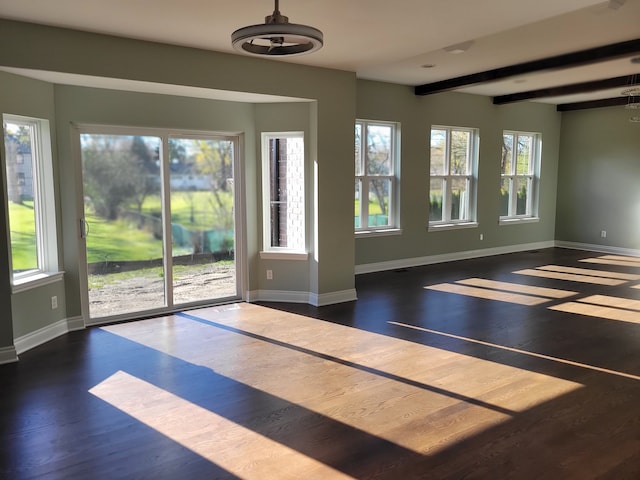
[[283, 184], [452, 176], [376, 187], [520, 167], [31, 205]]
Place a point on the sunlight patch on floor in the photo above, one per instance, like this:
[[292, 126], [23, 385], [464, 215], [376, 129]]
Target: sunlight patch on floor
[[520, 294], [487, 294], [523, 352], [395, 389], [572, 277], [618, 260], [604, 306], [237, 449]]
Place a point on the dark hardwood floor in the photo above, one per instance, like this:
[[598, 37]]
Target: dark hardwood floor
[[523, 366]]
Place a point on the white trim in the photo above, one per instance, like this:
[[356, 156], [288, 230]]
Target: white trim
[[386, 232], [517, 220], [449, 257], [8, 355], [439, 227], [35, 281], [75, 323], [333, 297], [277, 296], [314, 299], [629, 252], [48, 333], [283, 255]]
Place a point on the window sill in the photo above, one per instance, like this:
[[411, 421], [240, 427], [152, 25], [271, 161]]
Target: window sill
[[437, 227], [273, 255], [378, 233], [35, 281], [518, 220]]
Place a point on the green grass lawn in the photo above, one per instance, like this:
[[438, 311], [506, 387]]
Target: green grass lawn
[[23, 236]]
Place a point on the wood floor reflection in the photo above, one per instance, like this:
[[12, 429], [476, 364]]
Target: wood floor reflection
[[471, 369]]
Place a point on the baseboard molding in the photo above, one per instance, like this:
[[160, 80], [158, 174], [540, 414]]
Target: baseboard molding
[[333, 297], [75, 323], [449, 257], [286, 296], [8, 355], [48, 333], [627, 252]]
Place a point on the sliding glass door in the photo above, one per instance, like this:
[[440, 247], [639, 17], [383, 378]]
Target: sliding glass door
[[159, 221]]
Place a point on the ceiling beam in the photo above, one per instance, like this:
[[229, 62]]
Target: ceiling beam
[[604, 102], [586, 87], [567, 60]]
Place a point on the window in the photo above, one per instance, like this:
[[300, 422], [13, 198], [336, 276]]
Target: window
[[31, 204], [377, 169], [283, 191], [520, 168], [452, 176]]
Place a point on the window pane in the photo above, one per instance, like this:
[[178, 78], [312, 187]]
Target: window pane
[[436, 191], [358, 202], [379, 191], [19, 140], [286, 195], [459, 199], [505, 185], [507, 154], [525, 143], [202, 220], [522, 189], [438, 150], [359, 169], [379, 150], [460, 143]]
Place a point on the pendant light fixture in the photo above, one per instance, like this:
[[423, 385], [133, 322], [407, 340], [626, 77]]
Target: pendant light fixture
[[277, 37]]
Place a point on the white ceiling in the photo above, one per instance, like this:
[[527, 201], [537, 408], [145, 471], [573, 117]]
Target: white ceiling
[[382, 39]]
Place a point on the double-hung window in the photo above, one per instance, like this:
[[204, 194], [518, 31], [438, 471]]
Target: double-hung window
[[520, 168], [31, 203], [283, 192], [377, 172], [452, 183]]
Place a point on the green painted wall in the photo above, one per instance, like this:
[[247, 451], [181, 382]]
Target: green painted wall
[[92, 106], [30, 310], [289, 117], [599, 178], [329, 119], [380, 101]]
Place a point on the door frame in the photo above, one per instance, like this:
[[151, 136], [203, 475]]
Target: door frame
[[240, 238]]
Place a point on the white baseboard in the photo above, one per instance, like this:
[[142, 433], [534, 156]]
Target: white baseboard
[[333, 297], [449, 257], [301, 297], [8, 355], [627, 252], [45, 334]]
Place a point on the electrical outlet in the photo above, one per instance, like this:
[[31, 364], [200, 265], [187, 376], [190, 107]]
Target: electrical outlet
[[603, 234], [269, 274], [481, 236], [54, 302]]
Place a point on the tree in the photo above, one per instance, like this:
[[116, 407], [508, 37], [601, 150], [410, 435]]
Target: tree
[[116, 174], [379, 162]]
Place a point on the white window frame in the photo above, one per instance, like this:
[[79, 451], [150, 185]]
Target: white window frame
[[393, 224], [47, 270], [276, 252], [532, 177], [471, 177]]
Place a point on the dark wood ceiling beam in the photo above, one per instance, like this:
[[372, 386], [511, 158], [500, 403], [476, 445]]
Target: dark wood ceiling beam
[[585, 87], [604, 102], [574, 59]]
